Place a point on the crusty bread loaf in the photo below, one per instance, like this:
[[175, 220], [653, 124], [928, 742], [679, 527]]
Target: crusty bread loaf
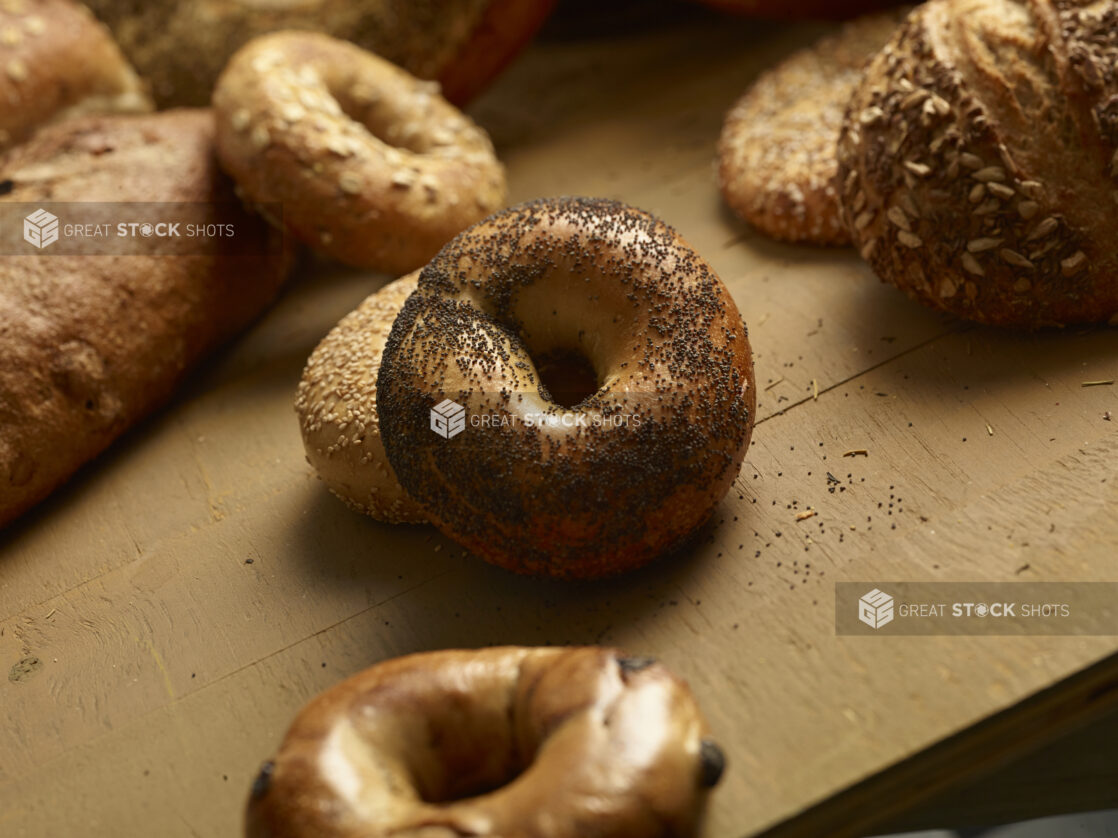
[[57, 61], [979, 160], [91, 343], [181, 46]]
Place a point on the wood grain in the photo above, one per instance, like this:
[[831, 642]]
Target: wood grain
[[191, 590]]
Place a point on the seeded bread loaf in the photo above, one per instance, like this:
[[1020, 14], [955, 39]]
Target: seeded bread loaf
[[180, 46], [57, 61], [92, 343], [978, 160]]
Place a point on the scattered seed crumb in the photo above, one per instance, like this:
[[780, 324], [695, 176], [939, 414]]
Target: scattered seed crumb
[[1102, 383], [857, 452], [803, 516], [773, 384], [989, 430], [814, 390]]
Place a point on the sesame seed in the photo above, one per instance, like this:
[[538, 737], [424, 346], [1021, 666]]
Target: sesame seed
[[863, 220], [897, 216], [871, 116], [10, 36], [970, 264], [1074, 263], [918, 169], [240, 119], [35, 25], [989, 173], [350, 183], [971, 161], [17, 70], [977, 193], [1044, 228], [1001, 190], [1016, 259], [982, 244], [1028, 209], [868, 249], [909, 239], [947, 287]]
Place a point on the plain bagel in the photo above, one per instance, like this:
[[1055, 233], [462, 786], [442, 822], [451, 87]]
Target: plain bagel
[[363, 161], [493, 743], [627, 468]]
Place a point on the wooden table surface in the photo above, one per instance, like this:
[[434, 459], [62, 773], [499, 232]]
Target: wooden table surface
[[186, 594]]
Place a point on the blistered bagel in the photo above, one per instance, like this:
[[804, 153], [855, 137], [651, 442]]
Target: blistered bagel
[[631, 462], [337, 407], [493, 743], [350, 153]]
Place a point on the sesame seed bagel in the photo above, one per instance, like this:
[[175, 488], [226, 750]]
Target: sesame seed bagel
[[979, 160], [181, 46], [58, 62], [493, 743], [337, 407], [638, 459], [369, 164], [777, 161]]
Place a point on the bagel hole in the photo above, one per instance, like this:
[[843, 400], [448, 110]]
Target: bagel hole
[[566, 377]]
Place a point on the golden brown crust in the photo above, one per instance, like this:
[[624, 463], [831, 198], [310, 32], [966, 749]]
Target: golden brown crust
[[792, 9], [626, 474], [93, 343], [776, 156], [57, 61], [369, 164], [181, 46], [337, 407], [978, 160], [493, 743]]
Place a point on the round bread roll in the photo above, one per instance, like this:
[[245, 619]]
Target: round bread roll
[[365, 162], [58, 62], [979, 161], [181, 46], [792, 9], [337, 407], [652, 355], [493, 743], [91, 343], [777, 160]]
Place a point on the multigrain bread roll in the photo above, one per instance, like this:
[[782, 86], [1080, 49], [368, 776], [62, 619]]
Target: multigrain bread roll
[[181, 46], [57, 62], [979, 160], [92, 343], [776, 155]]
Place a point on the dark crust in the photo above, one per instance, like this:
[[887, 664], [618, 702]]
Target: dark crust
[[92, 344], [598, 500], [996, 207]]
